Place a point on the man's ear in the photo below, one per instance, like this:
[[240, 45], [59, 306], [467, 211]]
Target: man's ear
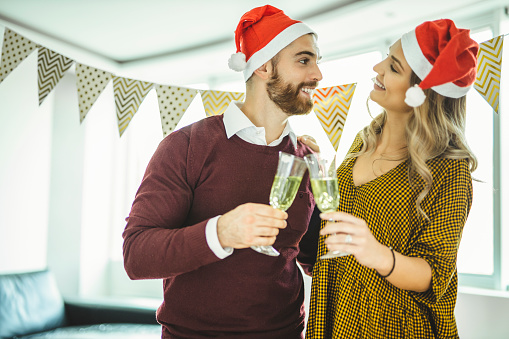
[[264, 71]]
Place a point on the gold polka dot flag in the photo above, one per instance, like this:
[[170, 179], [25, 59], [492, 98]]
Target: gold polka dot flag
[[173, 103], [51, 67], [90, 82], [489, 69], [331, 106], [216, 102], [129, 94], [15, 49]]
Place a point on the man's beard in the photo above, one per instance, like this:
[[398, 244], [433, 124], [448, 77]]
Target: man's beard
[[286, 95]]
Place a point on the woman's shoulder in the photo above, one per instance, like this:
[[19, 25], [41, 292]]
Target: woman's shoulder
[[448, 164], [447, 169], [356, 144]]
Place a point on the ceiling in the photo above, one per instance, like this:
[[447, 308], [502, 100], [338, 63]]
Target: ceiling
[[184, 42]]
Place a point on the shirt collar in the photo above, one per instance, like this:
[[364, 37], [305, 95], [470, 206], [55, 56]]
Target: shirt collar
[[235, 120]]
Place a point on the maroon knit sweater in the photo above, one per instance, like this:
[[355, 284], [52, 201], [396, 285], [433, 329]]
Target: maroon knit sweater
[[195, 174]]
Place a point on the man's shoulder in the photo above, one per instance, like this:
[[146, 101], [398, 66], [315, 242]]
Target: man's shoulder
[[205, 128], [213, 122]]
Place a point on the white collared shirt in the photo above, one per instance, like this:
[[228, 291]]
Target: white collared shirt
[[237, 123]]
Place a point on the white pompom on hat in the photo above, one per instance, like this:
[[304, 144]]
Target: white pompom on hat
[[260, 35], [443, 56]]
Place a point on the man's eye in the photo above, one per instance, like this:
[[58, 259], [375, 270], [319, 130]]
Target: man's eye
[[304, 61]]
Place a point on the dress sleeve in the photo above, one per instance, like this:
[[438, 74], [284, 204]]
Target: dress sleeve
[[438, 243], [157, 241]]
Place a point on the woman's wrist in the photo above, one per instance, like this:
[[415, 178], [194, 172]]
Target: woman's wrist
[[389, 264]]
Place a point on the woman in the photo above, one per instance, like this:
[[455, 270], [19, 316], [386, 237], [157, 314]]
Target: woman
[[406, 191]]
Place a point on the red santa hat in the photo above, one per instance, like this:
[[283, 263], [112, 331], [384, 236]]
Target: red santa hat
[[443, 57], [260, 35]]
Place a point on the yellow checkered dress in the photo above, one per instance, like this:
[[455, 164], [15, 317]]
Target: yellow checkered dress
[[351, 301]]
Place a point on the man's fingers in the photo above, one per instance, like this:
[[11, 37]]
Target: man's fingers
[[262, 221], [266, 231], [271, 212]]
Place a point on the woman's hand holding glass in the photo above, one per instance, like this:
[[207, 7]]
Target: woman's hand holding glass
[[349, 234]]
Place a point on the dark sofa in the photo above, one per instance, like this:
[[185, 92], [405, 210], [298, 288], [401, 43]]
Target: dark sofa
[[31, 307]]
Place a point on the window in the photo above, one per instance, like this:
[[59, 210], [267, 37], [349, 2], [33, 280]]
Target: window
[[480, 253], [476, 250]]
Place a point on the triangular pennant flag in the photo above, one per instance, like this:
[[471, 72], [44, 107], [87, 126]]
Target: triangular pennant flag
[[50, 69], [216, 102], [173, 103], [90, 83], [14, 50], [129, 94], [331, 108], [489, 69]]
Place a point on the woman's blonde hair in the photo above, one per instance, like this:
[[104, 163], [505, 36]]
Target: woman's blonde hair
[[435, 129]]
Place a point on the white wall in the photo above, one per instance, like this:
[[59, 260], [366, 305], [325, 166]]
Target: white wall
[[25, 160], [45, 222], [482, 314], [66, 187], [41, 157]]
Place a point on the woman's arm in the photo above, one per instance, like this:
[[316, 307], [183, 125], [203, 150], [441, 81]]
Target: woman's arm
[[348, 233]]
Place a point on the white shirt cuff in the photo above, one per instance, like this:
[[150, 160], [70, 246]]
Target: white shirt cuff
[[213, 239]]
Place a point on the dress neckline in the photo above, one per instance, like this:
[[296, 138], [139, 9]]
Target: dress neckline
[[367, 183]]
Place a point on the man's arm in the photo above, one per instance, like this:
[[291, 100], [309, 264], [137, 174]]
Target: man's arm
[[157, 241], [309, 243]]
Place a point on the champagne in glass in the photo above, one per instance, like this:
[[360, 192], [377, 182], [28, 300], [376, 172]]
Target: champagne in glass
[[325, 192], [286, 183], [283, 191], [324, 183]]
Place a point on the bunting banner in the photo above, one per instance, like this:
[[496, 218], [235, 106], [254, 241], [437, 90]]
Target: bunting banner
[[489, 70], [14, 50], [331, 104], [216, 102], [331, 107], [51, 67], [129, 94], [173, 103], [90, 82]]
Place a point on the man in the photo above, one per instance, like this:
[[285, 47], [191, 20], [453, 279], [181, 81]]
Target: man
[[204, 198]]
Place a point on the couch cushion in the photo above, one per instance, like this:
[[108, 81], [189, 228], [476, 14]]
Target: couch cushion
[[29, 303], [103, 331]]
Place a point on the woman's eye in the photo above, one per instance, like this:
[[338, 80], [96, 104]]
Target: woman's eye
[[393, 69]]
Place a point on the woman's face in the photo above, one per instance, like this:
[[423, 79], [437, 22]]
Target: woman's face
[[392, 81]]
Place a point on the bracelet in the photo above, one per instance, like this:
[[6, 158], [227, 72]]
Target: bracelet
[[393, 264]]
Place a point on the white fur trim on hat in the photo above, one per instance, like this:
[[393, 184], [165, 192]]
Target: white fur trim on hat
[[279, 42], [237, 62], [415, 96], [421, 66]]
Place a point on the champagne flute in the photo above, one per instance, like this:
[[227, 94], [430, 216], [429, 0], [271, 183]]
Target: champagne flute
[[290, 170], [324, 183]]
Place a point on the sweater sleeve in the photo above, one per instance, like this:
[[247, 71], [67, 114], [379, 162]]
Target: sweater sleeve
[[309, 243], [157, 241], [439, 242]]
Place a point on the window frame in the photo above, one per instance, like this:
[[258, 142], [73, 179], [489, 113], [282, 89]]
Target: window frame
[[493, 281]]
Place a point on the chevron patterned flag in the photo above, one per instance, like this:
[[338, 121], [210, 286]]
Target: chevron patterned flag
[[489, 69], [129, 94], [331, 108], [14, 50], [173, 103], [216, 102], [50, 69], [90, 82]]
